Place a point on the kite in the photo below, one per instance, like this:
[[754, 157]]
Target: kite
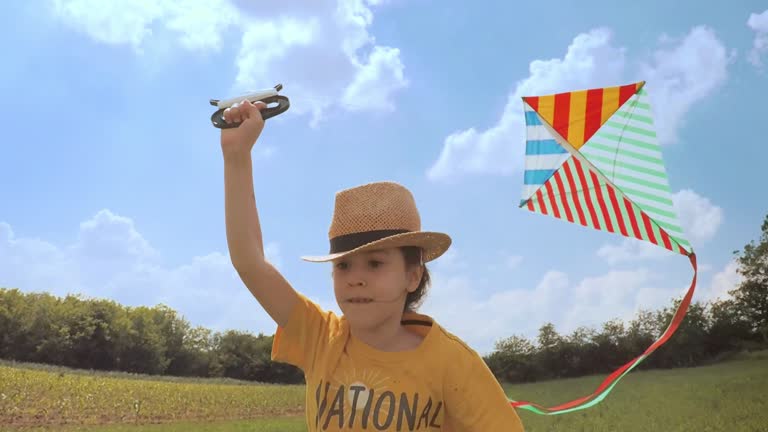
[[592, 158]]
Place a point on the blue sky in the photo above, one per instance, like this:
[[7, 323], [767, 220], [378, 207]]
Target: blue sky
[[112, 185]]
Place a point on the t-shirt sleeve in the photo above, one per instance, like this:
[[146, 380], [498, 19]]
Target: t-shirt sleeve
[[475, 401], [305, 336]]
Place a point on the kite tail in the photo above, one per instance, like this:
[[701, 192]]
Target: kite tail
[[605, 388]]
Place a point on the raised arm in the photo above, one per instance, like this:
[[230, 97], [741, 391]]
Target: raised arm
[[244, 238]]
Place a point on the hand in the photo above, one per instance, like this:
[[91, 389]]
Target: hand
[[242, 138]]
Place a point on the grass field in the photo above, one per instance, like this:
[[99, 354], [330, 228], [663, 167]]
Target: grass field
[[729, 396]]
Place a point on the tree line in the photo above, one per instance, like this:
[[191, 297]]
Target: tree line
[[709, 332], [101, 334]]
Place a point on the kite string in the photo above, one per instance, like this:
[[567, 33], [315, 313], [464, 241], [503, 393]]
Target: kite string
[[607, 385]]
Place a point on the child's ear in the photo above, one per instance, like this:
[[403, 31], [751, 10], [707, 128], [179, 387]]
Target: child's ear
[[415, 277]]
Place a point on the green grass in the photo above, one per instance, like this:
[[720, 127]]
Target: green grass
[[119, 374], [728, 396], [282, 424], [32, 395]]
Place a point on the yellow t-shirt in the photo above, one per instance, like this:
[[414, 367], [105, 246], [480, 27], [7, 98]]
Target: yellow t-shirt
[[442, 385]]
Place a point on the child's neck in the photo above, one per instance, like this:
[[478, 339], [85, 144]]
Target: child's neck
[[390, 336]]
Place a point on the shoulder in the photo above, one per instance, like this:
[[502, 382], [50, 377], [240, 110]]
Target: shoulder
[[439, 337], [452, 341], [459, 355], [463, 366], [444, 347], [311, 308], [309, 333]]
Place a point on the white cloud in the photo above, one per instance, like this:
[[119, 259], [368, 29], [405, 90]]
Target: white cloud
[[590, 61], [198, 25], [111, 259], [558, 299], [516, 309], [758, 23], [682, 75], [699, 217], [376, 80], [108, 237], [321, 50], [629, 250], [616, 294], [326, 55], [677, 77], [722, 282]]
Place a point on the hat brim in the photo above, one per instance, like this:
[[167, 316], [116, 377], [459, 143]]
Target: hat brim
[[434, 244]]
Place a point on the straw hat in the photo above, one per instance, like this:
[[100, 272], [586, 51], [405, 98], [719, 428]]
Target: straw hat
[[376, 216]]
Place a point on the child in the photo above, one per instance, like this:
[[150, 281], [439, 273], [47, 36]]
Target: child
[[381, 365]]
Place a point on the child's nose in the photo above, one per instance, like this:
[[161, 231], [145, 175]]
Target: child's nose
[[357, 282]]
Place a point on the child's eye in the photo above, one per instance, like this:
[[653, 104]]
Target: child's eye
[[375, 263], [341, 265]]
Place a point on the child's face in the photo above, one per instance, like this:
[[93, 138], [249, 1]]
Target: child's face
[[371, 287]]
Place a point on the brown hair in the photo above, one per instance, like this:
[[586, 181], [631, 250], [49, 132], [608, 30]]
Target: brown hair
[[413, 258]]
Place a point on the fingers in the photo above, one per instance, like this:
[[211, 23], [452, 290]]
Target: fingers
[[242, 111], [251, 109], [232, 114]]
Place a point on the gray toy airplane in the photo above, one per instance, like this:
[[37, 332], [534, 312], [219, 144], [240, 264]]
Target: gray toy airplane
[[268, 96]]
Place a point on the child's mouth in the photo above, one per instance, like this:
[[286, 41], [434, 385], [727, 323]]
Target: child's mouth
[[360, 300]]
